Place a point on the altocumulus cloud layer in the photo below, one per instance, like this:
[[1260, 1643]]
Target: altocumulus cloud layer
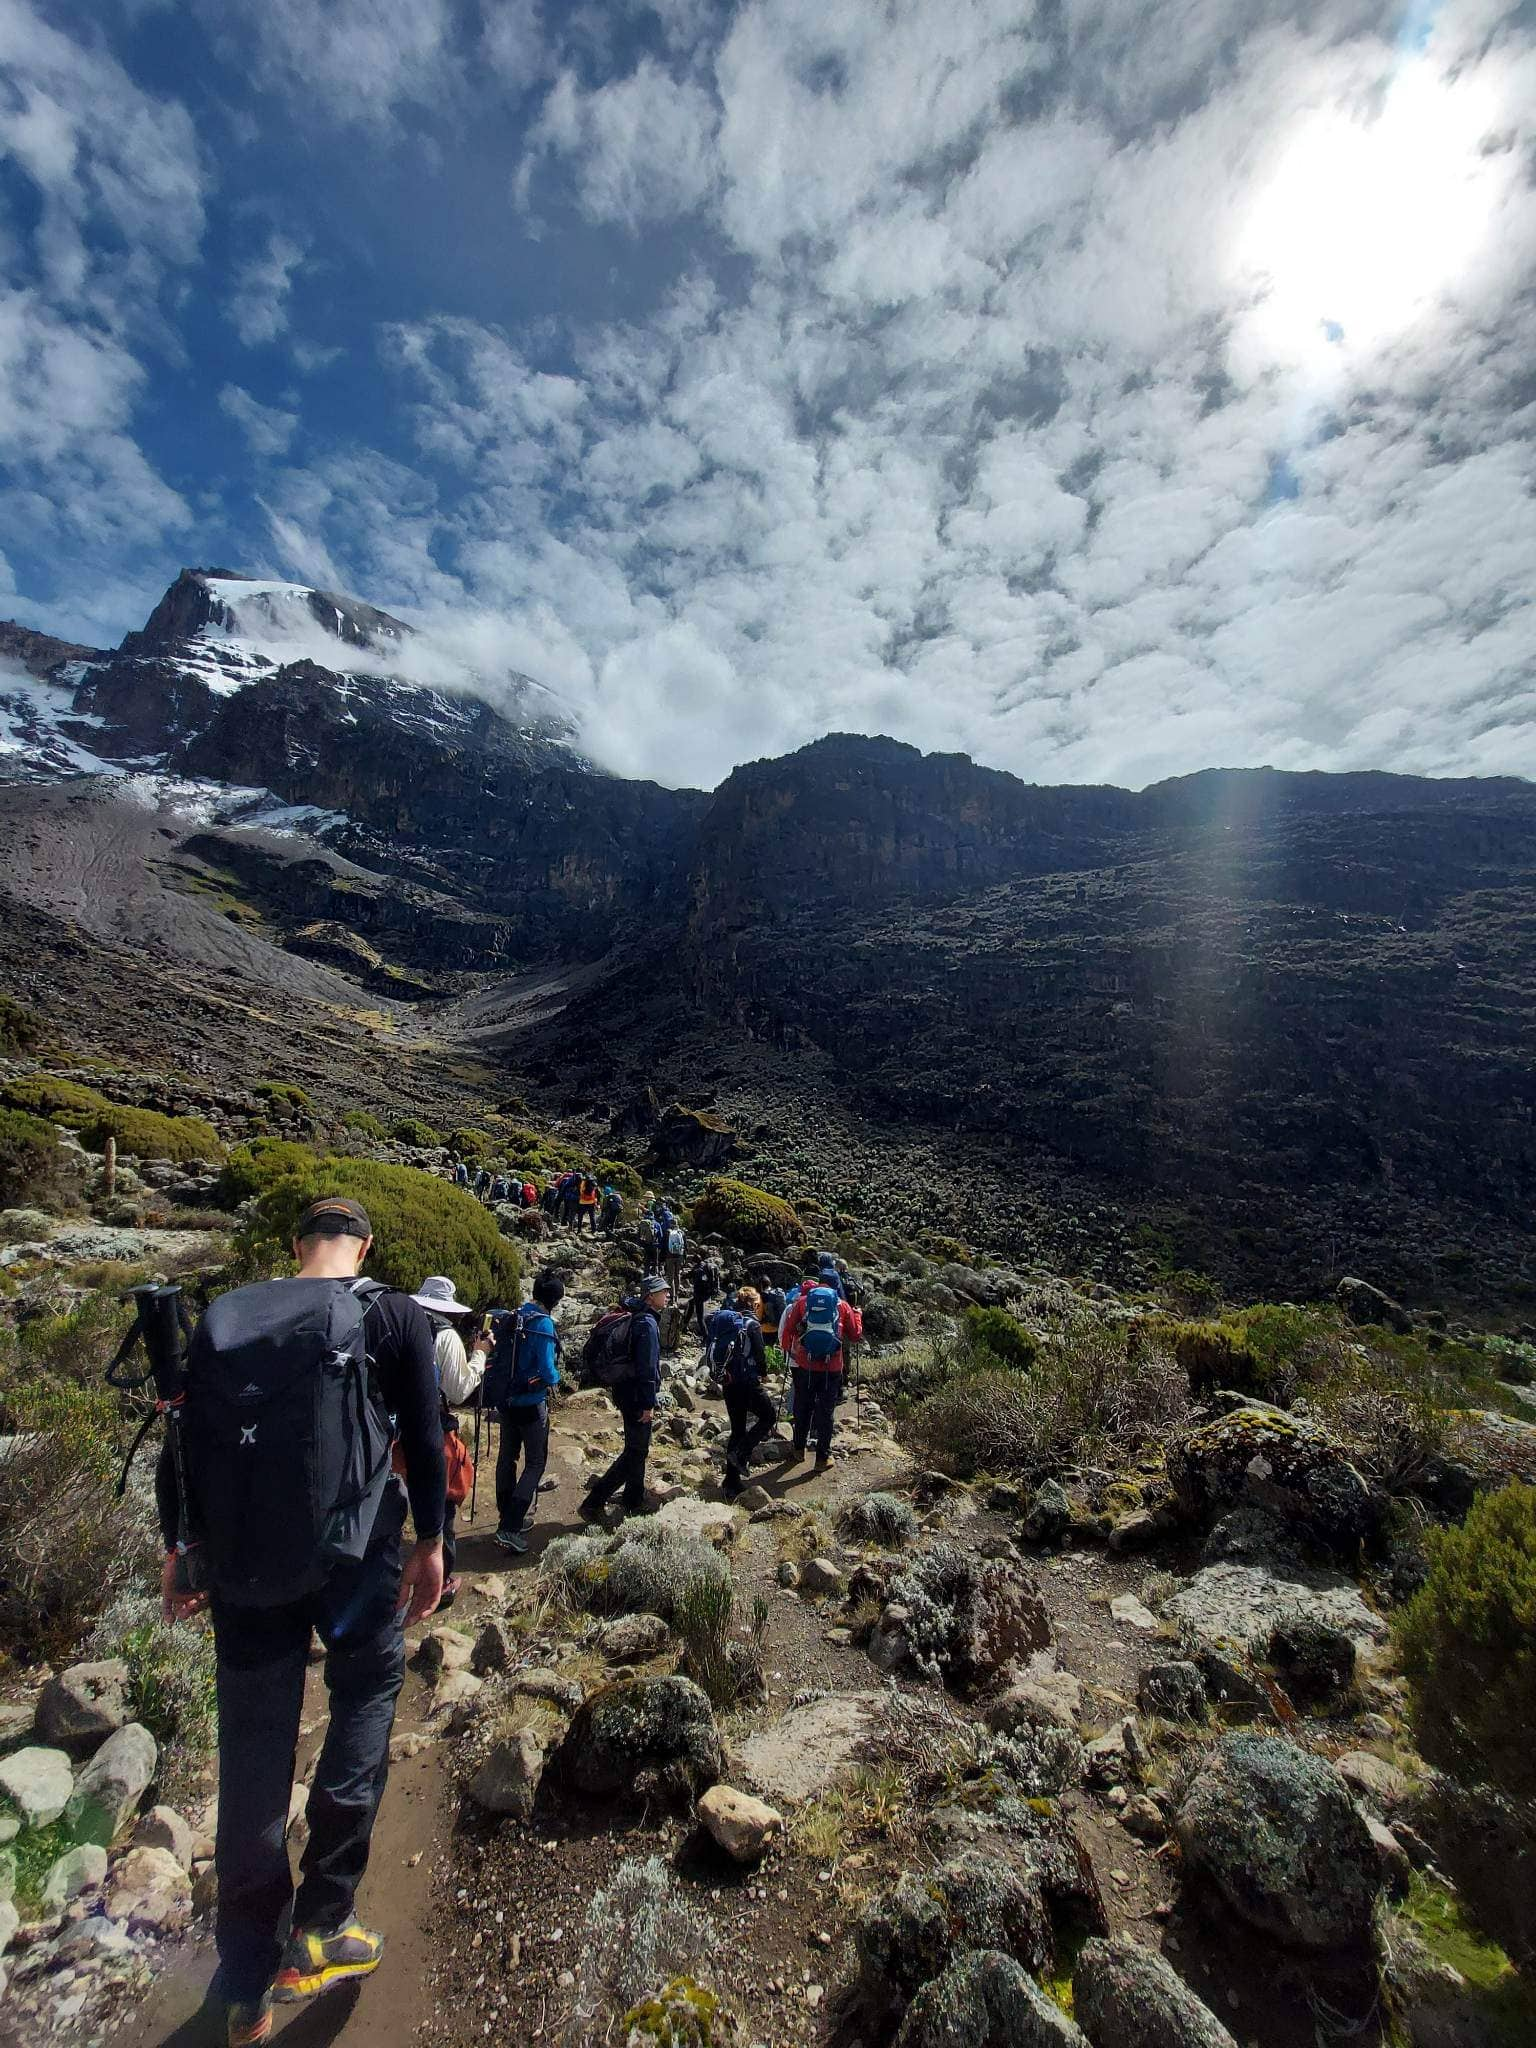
[[1107, 390]]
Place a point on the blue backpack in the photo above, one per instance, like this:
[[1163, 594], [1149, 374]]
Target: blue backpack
[[821, 1334], [727, 1344], [503, 1384]]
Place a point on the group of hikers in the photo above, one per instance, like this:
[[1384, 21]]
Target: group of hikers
[[318, 1412], [571, 1198]]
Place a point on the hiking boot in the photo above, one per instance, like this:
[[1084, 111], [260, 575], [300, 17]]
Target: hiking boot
[[314, 1962], [591, 1510], [732, 1484], [248, 2021], [822, 1462], [513, 1540]]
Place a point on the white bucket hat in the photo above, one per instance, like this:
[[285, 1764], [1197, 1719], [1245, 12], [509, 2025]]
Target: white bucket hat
[[440, 1297]]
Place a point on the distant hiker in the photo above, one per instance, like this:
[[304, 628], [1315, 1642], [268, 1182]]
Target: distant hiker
[[570, 1197], [483, 1183], [459, 1373], [549, 1201], [635, 1395], [818, 1328], [772, 1313], [676, 1251], [587, 1202], [524, 1372], [612, 1211], [704, 1284], [461, 1173], [828, 1274], [295, 1388], [529, 1195], [734, 1349]]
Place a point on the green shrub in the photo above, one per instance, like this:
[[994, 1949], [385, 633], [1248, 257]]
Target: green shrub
[[171, 1682], [746, 1216], [253, 1169], [410, 1130], [285, 1095], [1088, 1398], [998, 1336], [51, 1095], [364, 1123], [1468, 1644], [67, 1544], [613, 1173], [77, 1342], [472, 1144], [727, 1667], [146, 1134], [20, 1029], [34, 1168], [422, 1225]]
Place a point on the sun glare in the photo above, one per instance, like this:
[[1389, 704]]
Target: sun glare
[[1368, 220]]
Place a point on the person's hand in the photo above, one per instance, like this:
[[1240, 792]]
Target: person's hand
[[646, 1415], [421, 1583], [176, 1603]]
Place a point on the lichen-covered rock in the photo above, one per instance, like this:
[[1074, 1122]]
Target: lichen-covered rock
[[632, 1638], [912, 1933], [1054, 1699], [1313, 1660], [79, 1708], [1281, 1463], [495, 1648], [1275, 1830], [683, 2014], [964, 1618], [1363, 1303], [35, 1785], [985, 2000], [1126, 1996], [643, 1736], [1049, 1515], [107, 1792], [1175, 1691]]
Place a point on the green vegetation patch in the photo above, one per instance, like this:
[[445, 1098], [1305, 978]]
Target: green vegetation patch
[[747, 1216], [422, 1224], [34, 1168], [411, 1130], [365, 1124], [21, 1031], [141, 1133]]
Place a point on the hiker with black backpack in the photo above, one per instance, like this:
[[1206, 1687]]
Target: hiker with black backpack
[[623, 1354], [817, 1331], [612, 1211], [734, 1350], [524, 1371], [704, 1281], [291, 1523]]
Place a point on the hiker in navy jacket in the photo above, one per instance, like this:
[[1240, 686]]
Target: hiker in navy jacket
[[753, 1414], [635, 1397]]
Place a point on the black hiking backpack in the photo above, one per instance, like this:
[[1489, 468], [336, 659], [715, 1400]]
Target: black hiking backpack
[[287, 1439], [606, 1357]]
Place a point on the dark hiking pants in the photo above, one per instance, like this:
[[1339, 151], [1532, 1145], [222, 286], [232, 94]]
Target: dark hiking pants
[[627, 1469], [262, 1656], [525, 1436], [816, 1397], [753, 1416]]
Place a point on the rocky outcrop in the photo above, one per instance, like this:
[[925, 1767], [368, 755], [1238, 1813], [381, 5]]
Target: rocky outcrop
[[1275, 1830], [986, 2000], [1289, 1468], [1127, 1996], [912, 1933], [643, 1736]]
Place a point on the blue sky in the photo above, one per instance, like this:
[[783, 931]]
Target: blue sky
[[1108, 390]]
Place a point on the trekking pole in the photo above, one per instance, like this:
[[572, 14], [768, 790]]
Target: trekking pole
[[474, 1484]]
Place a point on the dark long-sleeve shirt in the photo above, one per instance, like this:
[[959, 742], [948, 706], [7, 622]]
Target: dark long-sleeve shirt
[[641, 1387], [400, 1345]]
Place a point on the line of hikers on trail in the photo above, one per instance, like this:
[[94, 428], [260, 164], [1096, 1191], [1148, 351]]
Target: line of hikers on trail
[[572, 1199], [305, 1419]]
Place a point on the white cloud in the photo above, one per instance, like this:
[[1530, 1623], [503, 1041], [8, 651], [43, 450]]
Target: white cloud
[[362, 60], [640, 148], [268, 429], [258, 302]]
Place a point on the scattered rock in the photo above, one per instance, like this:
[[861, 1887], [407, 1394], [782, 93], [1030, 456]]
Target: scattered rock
[[150, 1889], [35, 1786], [799, 1756], [495, 1649], [985, 2000], [1130, 1613], [754, 1498], [714, 1521], [1049, 1515], [1382, 1785], [1174, 1691], [1115, 1756], [1241, 1604], [443, 1649], [1365, 1304], [819, 1576], [1126, 1996], [1276, 1831], [1054, 1699], [643, 1735], [163, 1828], [508, 1781], [961, 1619], [403, 1747], [1138, 1531], [16, 1723], [76, 1871], [79, 1708], [1313, 1659], [1143, 1818], [788, 1574], [743, 1826], [910, 1934], [454, 1689], [632, 1638], [538, 1684], [1396, 1863]]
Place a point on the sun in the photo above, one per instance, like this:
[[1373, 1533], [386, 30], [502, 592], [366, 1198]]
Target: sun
[[1368, 219]]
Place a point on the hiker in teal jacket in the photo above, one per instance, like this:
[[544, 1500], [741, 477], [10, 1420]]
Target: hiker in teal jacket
[[524, 1412]]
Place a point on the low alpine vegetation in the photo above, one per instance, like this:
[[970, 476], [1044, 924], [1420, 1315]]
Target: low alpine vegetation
[[748, 1216]]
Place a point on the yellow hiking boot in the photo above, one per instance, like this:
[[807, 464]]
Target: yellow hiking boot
[[314, 1962]]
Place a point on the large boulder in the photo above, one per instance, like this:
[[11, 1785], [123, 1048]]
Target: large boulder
[[643, 1736], [1226, 1605], [910, 1934], [986, 2000], [107, 1792], [801, 1755], [1126, 1996], [35, 1784], [1276, 1831], [79, 1708], [689, 1137], [508, 1780], [1278, 1462], [1363, 1303]]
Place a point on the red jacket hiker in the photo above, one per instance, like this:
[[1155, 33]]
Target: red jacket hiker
[[850, 1324]]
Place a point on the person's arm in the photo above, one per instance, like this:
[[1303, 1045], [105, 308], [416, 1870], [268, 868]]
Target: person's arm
[[756, 1349], [409, 1376], [648, 1364], [789, 1328], [546, 1354], [460, 1374]]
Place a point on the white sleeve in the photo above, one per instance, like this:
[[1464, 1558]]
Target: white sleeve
[[459, 1375]]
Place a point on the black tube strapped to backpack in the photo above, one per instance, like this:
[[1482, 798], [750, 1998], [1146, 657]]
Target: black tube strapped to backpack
[[162, 1325]]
